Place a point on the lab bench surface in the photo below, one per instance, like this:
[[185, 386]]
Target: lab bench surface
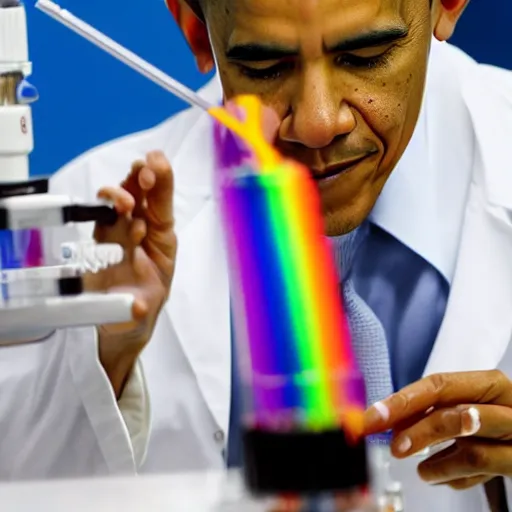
[[201, 492]]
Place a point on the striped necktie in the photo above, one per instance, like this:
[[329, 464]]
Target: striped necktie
[[368, 335]]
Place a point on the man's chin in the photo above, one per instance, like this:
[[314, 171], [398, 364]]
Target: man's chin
[[345, 208], [336, 225]]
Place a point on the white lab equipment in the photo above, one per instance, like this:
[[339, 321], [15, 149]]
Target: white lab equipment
[[36, 299]]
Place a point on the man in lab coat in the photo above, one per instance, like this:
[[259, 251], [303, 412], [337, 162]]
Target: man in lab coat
[[418, 153]]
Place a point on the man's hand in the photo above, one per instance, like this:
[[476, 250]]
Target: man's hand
[[145, 229], [473, 409]]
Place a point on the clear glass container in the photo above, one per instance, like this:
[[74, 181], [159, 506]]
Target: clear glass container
[[302, 394]]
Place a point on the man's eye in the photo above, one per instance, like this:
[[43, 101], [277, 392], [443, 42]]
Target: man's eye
[[349, 59], [271, 73]]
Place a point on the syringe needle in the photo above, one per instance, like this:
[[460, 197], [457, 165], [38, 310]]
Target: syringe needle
[[123, 54]]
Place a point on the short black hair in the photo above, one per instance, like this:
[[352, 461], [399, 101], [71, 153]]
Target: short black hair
[[198, 6]]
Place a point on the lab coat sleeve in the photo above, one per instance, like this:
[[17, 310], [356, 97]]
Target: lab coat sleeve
[[58, 413], [59, 416], [82, 179]]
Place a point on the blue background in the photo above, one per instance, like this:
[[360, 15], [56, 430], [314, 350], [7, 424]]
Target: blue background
[[87, 97]]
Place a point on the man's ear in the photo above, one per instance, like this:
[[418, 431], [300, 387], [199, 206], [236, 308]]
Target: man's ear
[[446, 15], [195, 32]]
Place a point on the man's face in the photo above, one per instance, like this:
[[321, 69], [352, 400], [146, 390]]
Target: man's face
[[346, 78]]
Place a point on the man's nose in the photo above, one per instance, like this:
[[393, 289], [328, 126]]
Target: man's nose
[[318, 115]]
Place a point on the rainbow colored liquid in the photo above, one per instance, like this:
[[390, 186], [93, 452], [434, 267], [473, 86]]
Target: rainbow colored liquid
[[303, 393]]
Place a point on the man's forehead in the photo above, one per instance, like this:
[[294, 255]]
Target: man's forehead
[[306, 9], [287, 21]]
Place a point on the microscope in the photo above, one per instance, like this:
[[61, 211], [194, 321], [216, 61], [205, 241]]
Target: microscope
[[41, 287]]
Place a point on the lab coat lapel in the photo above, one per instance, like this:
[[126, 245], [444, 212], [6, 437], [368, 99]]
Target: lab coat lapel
[[199, 309], [477, 327], [199, 301]]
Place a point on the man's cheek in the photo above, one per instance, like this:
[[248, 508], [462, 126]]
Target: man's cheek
[[383, 111], [386, 117]]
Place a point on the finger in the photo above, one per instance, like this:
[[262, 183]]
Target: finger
[[135, 183], [468, 458], [131, 182], [438, 427], [128, 233], [123, 201], [411, 420], [140, 312], [133, 277], [467, 483], [119, 233], [147, 179], [140, 179], [485, 421], [160, 196], [440, 390], [138, 230], [140, 308]]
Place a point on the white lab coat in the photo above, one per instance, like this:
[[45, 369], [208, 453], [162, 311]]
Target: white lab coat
[[58, 415]]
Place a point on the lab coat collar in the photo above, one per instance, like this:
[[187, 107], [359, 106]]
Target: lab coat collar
[[422, 203], [477, 327], [493, 133], [199, 304], [406, 207]]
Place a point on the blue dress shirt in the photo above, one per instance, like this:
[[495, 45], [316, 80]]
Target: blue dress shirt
[[409, 297]]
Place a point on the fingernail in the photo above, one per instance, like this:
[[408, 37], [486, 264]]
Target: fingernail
[[382, 410], [375, 415], [403, 444], [423, 454], [434, 482], [471, 422], [430, 451]]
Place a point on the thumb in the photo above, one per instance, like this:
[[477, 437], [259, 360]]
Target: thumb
[[160, 197]]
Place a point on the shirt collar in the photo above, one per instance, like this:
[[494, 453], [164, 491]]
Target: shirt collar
[[423, 202], [407, 208]]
